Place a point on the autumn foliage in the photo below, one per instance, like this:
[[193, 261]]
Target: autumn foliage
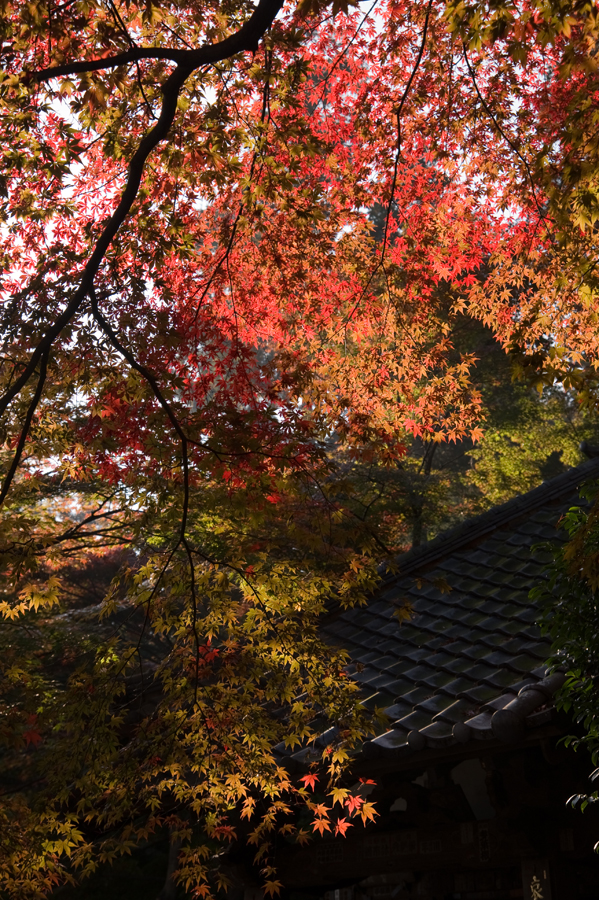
[[234, 241]]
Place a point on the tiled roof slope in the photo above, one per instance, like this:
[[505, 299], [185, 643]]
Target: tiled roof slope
[[469, 652]]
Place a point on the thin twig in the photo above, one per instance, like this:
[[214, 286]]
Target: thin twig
[[505, 137], [398, 118]]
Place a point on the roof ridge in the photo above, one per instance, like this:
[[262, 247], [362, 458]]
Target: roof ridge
[[478, 527]]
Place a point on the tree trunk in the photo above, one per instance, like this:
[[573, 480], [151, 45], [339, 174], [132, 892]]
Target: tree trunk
[[169, 889]]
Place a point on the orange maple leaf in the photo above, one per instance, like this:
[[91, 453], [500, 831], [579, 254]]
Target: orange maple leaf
[[226, 832], [321, 825], [367, 812]]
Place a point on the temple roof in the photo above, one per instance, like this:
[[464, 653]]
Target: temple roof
[[471, 646]]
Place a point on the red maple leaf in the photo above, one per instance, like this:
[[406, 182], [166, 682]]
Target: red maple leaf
[[309, 780], [342, 826], [354, 803], [32, 735]]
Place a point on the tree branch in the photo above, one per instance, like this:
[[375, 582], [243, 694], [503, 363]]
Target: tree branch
[[246, 38], [502, 133], [26, 426], [151, 380]]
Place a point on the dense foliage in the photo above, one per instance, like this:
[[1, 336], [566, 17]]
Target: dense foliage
[[571, 602], [235, 240], [529, 435]]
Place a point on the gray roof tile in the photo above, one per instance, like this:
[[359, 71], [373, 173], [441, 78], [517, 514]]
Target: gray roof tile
[[438, 733], [435, 704], [415, 720], [416, 695], [455, 712], [478, 695], [399, 709], [458, 685], [392, 740]]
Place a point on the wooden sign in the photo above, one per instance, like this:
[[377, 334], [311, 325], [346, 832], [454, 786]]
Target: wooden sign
[[536, 883]]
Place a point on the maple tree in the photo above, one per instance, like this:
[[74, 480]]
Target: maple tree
[[196, 307]]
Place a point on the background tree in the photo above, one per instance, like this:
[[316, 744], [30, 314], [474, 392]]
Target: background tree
[[197, 319], [571, 615], [530, 433]]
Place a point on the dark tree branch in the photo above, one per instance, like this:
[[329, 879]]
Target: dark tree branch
[[381, 262], [502, 133], [151, 380], [398, 115], [26, 426], [247, 38], [134, 54]]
